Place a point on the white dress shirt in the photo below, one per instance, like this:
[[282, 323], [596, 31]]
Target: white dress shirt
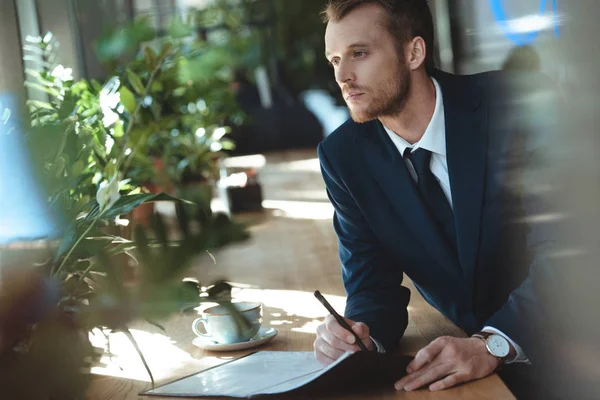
[[434, 140]]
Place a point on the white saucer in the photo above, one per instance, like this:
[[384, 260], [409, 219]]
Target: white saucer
[[263, 336]]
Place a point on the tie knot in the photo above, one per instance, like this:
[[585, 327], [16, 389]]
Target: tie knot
[[420, 158]]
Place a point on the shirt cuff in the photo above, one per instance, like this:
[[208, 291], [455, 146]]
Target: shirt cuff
[[378, 345], [520, 357]]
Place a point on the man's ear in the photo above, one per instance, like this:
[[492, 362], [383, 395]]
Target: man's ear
[[416, 52]]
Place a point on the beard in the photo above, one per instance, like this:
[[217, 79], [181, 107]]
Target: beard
[[388, 99]]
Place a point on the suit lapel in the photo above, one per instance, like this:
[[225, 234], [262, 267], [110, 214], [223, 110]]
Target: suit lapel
[[389, 170], [466, 148]]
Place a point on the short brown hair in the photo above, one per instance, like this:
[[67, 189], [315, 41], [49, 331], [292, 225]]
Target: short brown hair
[[406, 19]]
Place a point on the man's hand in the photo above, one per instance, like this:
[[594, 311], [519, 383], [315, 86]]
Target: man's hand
[[448, 361], [333, 340]]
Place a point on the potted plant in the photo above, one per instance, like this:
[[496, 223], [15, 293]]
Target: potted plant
[[82, 140], [181, 131]]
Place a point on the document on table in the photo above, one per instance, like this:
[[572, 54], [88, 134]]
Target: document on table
[[269, 372]]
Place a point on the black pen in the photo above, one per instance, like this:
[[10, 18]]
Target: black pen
[[339, 319]]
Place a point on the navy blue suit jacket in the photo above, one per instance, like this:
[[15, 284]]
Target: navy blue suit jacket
[[385, 231]]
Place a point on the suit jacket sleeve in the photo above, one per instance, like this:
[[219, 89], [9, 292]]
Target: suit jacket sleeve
[[373, 284]]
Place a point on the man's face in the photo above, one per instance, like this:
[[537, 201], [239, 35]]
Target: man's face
[[373, 77]]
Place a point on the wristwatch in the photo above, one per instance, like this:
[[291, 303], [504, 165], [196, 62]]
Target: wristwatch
[[496, 345]]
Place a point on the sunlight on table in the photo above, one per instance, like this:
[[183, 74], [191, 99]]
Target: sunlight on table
[[300, 209], [300, 311], [310, 165], [160, 351]]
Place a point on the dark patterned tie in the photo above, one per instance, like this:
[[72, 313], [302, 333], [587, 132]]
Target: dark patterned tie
[[432, 194]]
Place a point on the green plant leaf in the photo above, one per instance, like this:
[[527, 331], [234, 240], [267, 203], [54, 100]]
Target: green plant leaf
[[61, 163], [138, 136], [110, 169], [39, 105], [53, 92], [114, 45], [136, 82], [166, 50], [150, 57], [90, 246], [127, 203], [129, 335], [118, 129], [178, 29], [156, 87], [35, 48], [127, 99], [189, 293], [179, 92], [68, 240], [227, 144], [75, 288], [77, 168]]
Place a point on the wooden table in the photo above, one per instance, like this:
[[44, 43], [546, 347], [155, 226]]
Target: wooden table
[[293, 251]]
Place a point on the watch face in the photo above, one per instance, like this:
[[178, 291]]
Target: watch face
[[498, 346]]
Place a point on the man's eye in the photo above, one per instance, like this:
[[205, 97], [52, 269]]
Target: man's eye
[[334, 62], [359, 53]]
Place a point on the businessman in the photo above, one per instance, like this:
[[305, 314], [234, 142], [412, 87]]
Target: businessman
[[424, 179]]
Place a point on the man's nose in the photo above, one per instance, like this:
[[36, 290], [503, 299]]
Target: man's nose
[[344, 73]]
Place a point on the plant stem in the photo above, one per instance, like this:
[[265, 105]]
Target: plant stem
[[129, 335], [64, 261], [82, 277], [85, 274]]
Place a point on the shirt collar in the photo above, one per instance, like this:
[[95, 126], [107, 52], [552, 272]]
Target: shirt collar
[[434, 138]]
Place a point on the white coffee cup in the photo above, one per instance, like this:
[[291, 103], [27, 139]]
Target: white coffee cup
[[223, 327]]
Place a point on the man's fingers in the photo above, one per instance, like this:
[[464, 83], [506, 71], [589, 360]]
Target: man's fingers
[[321, 346], [361, 329], [337, 330], [449, 381], [447, 362], [339, 338], [322, 358], [321, 329], [336, 343], [427, 354], [421, 378]]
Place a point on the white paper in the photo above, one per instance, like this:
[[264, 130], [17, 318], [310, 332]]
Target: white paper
[[264, 372]]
